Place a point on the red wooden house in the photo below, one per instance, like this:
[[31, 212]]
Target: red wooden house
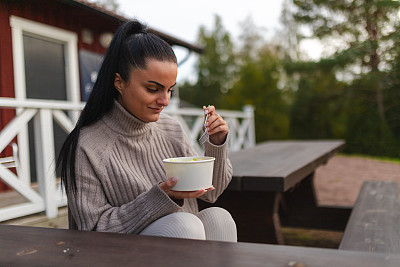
[[52, 49]]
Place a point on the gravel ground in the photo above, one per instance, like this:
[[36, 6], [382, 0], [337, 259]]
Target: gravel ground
[[340, 180]]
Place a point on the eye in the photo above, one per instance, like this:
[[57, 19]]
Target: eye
[[152, 90]]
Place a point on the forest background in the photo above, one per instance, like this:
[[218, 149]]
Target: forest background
[[352, 92]]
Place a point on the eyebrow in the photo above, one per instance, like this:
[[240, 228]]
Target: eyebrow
[[160, 85]]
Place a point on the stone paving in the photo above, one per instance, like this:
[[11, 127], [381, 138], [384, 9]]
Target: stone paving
[[340, 180]]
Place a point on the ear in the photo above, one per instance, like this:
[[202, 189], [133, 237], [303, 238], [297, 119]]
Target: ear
[[118, 83]]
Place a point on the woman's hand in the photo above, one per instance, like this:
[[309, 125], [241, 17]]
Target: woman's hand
[[166, 187], [216, 126]]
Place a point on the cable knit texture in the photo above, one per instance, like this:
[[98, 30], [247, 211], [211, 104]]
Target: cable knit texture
[[118, 169]]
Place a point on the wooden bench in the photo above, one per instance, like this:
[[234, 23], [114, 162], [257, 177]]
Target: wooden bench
[[374, 223]]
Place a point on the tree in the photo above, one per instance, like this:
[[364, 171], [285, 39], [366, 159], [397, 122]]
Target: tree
[[111, 5], [364, 27], [215, 68], [288, 35], [258, 76], [363, 37], [319, 109], [230, 77], [257, 85]]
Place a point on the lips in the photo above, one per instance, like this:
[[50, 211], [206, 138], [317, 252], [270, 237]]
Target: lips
[[158, 109]]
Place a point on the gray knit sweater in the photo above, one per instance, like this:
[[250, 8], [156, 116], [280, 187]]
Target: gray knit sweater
[[118, 169]]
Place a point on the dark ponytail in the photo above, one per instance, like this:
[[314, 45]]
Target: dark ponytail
[[129, 49]]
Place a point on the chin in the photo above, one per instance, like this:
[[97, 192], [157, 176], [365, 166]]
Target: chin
[[153, 118]]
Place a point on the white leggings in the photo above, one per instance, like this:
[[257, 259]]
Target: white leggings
[[209, 224]]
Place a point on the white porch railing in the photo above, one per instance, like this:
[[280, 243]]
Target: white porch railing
[[50, 195], [241, 125]]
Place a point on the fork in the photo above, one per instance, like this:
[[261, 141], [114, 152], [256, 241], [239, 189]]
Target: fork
[[204, 136]]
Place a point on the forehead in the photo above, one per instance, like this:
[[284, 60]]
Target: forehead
[[164, 70]]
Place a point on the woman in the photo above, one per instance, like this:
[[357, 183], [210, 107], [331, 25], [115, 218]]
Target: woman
[[111, 163]]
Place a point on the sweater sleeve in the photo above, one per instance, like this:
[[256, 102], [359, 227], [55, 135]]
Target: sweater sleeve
[[222, 174], [92, 211]]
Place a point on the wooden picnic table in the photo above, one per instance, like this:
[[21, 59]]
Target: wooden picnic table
[[35, 246], [273, 183]]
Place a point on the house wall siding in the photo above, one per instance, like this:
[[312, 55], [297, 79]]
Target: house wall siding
[[52, 13], [6, 75], [49, 12]]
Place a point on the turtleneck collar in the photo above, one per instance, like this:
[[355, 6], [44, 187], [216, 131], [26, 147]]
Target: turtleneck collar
[[123, 122]]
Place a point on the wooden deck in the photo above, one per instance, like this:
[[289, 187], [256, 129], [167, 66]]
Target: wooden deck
[[39, 219]]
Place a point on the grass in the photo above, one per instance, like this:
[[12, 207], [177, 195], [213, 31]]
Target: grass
[[383, 159], [311, 237]]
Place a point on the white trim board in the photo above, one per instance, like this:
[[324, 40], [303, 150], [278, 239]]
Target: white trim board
[[19, 27], [22, 26]]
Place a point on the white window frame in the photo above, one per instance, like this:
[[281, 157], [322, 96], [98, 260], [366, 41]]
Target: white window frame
[[21, 26]]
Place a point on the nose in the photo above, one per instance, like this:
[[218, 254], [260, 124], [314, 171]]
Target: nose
[[163, 99]]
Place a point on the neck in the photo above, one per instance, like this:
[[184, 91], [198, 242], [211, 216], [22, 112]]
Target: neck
[[123, 122]]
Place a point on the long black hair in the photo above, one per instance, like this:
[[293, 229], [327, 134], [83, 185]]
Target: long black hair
[[130, 48]]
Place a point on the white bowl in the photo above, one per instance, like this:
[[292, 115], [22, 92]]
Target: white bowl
[[193, 173]]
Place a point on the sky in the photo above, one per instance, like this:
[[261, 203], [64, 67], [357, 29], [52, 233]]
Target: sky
[[183, 18]]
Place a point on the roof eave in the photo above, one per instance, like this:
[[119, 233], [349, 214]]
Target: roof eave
[[104, 12]]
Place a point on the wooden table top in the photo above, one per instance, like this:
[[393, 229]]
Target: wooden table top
[[34, 246], [279, 165]]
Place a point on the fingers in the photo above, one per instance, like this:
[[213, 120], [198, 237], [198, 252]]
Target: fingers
[[217, 124], [172, 181], [188, 194], [166, 186], [210, 188], [210, 109]]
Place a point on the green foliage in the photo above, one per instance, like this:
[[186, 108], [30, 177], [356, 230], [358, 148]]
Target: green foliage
[[367, 133], [319, 109], [230, 77], [257, 85], [392, 97], [215, 68], [351, 93], [364, 36], [382, 159], [111, 5]]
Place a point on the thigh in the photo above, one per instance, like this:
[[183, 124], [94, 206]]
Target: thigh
[[179, 225]]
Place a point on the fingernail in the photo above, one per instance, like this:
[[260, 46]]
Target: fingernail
[[204, 107], [205, 111], [174, 179]]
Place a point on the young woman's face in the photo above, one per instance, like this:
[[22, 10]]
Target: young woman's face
[[148, 90]]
